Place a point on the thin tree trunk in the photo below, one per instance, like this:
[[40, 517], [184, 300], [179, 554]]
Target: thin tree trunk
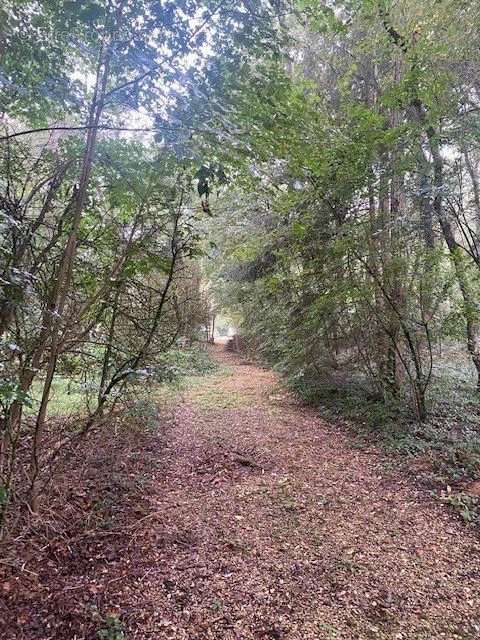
[[475, 187], [425, 203], [471, 312], [109, 345], [419, 113], [64, 273]]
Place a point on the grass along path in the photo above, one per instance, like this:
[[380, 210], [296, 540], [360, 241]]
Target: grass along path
[[256, 519]]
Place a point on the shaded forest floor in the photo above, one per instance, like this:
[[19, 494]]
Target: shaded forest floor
[[245, 516]]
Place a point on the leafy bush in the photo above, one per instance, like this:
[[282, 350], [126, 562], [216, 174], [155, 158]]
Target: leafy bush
[[111, 629], [466, 505], [180, 363]]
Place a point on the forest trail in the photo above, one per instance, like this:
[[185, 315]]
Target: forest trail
[[247, 518], [278, 527]]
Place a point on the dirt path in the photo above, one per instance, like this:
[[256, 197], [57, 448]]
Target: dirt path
[[281, 529], [255, 519]]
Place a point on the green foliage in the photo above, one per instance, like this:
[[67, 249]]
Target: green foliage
[[466, 505], [11, 392], [338, 265], [111, 629], [69, 396], [176, 364], [344, 241]]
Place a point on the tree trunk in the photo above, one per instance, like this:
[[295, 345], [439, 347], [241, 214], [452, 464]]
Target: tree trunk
[[64, 272], [471, 311], [109, 345]]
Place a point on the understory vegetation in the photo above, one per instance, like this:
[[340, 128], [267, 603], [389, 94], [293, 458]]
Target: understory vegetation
[[303, 172], [349, 244], [102, 223], [342, 163]]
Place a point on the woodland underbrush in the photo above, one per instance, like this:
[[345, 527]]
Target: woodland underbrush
[[72, 491], [95, 501], [443, 451]]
